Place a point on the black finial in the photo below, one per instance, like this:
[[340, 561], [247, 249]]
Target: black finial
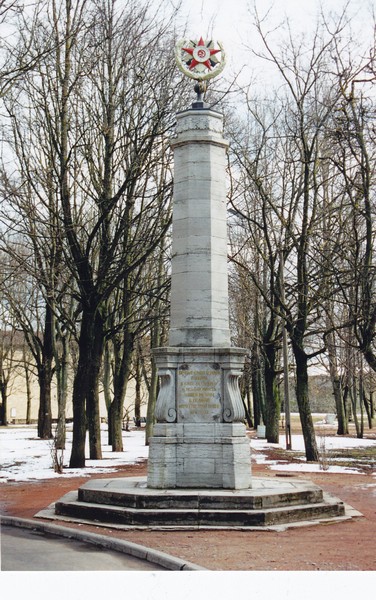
[[200, 89]]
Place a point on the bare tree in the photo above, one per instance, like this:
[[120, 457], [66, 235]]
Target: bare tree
[[26, 308], [353, 156], [128, 99], [282, 167], [100, 175], [8, 366]]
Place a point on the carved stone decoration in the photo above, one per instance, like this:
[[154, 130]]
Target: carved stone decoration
[[203, 122], [165, 410], [233, 409]]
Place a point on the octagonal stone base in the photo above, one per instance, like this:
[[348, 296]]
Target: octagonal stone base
[[128, 503]]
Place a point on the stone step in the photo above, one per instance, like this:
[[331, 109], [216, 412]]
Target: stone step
[[140, 499], [196, 517]]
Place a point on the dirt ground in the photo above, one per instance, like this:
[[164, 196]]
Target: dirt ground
[[346, 546]]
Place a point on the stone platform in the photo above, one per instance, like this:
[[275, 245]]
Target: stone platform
[[128, 503]]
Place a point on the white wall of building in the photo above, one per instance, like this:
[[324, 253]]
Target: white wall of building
[[17, 399]]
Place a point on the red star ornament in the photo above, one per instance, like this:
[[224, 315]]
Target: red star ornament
[[201, 54]]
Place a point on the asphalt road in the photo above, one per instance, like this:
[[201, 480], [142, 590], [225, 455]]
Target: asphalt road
[[27, 550]]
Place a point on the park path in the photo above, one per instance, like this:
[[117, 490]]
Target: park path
[[26, 550]]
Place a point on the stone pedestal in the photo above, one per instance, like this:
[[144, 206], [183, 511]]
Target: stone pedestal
[[199, 440]]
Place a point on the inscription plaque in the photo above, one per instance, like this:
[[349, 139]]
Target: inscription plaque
[[199, 394]]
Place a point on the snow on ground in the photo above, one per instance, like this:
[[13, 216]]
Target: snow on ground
[[331, 442], [25, 457], [326, 443]]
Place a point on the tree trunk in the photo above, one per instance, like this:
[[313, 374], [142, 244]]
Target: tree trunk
[[44, 377], [137, 402], [77, 458], [107, 386], [85, 389], [44, 413], [258, 387], [272, 397], [123, 350], [92, 395], [367, 406], [354, 406], [28, 389], [62, 392], [245, 391], [302, 398], [361, 397], [4, 402], [343, 427], [116, 423], [152, 399]]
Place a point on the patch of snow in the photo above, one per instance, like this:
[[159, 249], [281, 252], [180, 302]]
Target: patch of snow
[[262, 459], [297, 442], [314, 468], [331, 442], [25, 457]]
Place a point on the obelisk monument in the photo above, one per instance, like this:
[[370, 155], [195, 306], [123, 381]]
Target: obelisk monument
[[199, 439], [199, 469]]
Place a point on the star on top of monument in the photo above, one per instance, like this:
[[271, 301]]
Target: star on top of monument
[[200, 60]]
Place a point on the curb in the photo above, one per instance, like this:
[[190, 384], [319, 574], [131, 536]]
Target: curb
[[157, 557]]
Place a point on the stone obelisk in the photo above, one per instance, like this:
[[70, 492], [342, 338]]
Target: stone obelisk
[[199, 471], [199, 439]]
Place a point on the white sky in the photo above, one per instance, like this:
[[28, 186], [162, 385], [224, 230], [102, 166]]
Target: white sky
[[230, 21]]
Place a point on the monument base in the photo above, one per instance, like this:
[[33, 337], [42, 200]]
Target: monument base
[[199, 455], [128, 503], [199, 440]]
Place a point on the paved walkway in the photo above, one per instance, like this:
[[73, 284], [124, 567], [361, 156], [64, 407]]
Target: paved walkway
[[33, 545], [27, 550]]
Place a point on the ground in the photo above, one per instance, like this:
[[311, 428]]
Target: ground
[[346, 546]]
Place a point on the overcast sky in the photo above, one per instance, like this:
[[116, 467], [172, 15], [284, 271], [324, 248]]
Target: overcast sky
[[230, 21], [232, 17]]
